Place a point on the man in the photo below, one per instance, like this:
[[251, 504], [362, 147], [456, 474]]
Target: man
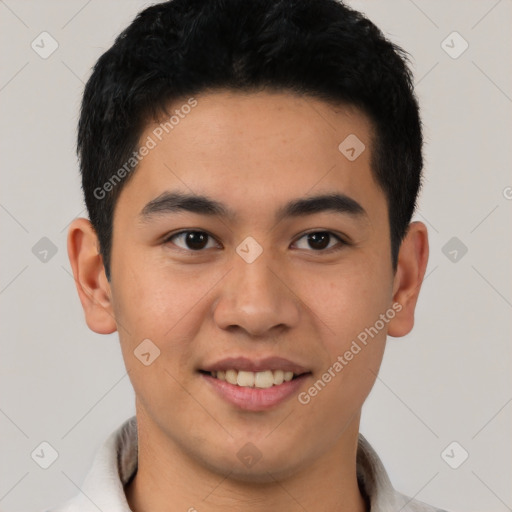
[[250, 169]]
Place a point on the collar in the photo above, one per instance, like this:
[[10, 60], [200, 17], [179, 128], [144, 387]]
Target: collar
[[115, 463]]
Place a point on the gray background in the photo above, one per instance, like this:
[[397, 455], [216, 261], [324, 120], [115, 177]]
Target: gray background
[[447, 381]]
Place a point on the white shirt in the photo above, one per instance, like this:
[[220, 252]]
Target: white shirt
[[116, 462]]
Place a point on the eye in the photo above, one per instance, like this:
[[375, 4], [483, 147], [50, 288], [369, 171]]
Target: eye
[[192, 240], [196, 241], [321, 240]]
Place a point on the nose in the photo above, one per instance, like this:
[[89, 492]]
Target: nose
[[257, 299]]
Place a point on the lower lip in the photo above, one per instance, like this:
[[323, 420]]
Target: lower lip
[[255, 399]]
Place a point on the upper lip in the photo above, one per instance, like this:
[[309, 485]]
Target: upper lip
[[255, 365]]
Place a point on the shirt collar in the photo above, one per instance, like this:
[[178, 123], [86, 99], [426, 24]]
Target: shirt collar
[[115, 464]]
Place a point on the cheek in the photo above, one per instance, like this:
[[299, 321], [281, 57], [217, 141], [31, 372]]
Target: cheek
[[347, 300], [166, 306], [150, 297], [349, 306], [355, 342], [149, 306], [337, 394]]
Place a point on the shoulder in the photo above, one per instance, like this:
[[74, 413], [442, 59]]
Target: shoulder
[[114, 463], [407, 504], [376, 484]]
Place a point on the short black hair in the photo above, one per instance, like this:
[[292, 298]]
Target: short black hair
[[180, 48]]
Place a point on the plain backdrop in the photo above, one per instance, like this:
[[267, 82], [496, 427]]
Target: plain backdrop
[[448, 381]]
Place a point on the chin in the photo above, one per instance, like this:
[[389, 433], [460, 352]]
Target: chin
[[262, 470]]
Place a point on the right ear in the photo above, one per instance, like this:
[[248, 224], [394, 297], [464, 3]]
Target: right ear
[[90, 278]]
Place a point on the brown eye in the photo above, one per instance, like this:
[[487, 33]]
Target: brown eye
[[321, 240], [190, 240]]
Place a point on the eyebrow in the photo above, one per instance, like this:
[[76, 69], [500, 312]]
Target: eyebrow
[[175, 202]]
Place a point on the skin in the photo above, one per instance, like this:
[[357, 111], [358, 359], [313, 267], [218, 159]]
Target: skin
[[253, 152]]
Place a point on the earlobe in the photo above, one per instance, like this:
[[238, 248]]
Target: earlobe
[[90, 279], [412, 264]]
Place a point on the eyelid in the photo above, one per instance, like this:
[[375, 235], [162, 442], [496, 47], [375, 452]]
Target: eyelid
[[167, 238], [342, 240]]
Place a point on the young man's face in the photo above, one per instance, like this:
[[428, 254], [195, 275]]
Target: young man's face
[[213, 301]]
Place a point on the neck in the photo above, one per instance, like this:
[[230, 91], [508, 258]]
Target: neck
[[169, 480]]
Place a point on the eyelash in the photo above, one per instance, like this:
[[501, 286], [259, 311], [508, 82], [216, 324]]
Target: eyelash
[[338, 247]]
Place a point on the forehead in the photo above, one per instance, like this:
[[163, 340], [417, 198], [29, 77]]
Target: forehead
[[255, 149], [285, 122]]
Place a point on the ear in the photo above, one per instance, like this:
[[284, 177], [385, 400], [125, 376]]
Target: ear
[[90, 278], [412, 263]]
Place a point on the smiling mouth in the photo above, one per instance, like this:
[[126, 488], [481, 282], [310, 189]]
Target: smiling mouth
[[264, 379]]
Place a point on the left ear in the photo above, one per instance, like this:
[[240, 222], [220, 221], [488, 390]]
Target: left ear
[[411, 267]]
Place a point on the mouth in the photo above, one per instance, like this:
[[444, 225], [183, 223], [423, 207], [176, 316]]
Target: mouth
[[255, 385], [246, 379]]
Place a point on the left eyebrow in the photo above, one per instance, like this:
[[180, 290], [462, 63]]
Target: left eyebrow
[[173, 202], [337, 203]]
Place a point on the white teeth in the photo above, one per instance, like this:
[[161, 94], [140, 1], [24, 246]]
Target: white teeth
[[231, 376], [288, 376], [265, 379], [278, 377], [245, 379]]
